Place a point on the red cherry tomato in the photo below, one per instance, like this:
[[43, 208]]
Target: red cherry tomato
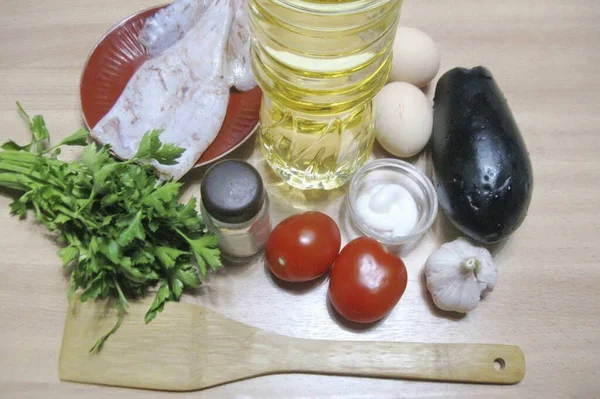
[[366, 281], [303, 247]]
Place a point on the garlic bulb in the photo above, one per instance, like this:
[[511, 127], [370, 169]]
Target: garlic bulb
[[459, 274]]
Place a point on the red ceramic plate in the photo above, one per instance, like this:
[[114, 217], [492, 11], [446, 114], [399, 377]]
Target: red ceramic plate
[[115, 59]]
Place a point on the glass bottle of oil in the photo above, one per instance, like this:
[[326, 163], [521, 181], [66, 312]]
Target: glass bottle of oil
[[319, 64]]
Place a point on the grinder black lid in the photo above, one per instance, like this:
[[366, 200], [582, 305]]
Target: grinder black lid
[[232, 191]]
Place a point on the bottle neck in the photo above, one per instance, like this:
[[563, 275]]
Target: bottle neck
[[327, 62]]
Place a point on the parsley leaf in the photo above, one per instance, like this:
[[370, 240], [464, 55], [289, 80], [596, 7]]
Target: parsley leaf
[[188, 277], [150, 147], [162, 196], [206, 252], [12, 146], [149, 144], [94, 158], [158, 305], [68, 254], [39, 131], [168, 256], [135, 229]]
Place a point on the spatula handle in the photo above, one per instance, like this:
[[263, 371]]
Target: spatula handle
[[475, 363]]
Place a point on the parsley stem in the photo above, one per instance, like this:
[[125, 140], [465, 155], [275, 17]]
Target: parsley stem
[[16, 168], [12, 181], [24, 157], [182, 234], [88, 202], [74, 215], [22, 111], [98, 345], [31, 173]]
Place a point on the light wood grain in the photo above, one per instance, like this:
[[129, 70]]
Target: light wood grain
[[208, 349], [545, 56]]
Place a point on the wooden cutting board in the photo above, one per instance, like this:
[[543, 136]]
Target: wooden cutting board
[[189, 347]]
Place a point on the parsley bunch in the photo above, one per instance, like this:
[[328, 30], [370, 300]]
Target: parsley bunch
[[123, 229]]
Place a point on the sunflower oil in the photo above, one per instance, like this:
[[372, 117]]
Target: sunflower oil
[[319, 64]]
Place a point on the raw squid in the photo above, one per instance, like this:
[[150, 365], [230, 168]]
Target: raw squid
[[238, 49], [198, 50], [170, 24]]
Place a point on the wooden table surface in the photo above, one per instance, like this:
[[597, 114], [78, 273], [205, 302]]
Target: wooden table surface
[[545, 55]]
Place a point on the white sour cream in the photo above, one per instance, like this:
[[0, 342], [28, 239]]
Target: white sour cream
[[389, 209]]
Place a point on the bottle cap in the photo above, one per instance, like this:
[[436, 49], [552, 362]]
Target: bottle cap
[[232, 191]]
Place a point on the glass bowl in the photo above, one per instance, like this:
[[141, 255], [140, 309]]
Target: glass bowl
[[406, 175]]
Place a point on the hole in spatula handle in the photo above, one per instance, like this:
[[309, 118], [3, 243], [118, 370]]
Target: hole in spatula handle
[[499, 364]]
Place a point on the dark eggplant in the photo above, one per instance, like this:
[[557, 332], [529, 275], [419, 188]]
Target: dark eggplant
[[482, 170]]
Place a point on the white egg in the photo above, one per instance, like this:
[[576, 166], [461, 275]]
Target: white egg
[[403, 119], [416, 58]]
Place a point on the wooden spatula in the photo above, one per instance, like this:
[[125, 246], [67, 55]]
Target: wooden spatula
[[189, 347]]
